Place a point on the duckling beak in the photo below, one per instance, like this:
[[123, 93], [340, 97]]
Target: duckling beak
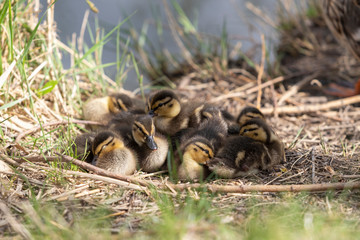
[[93, 162], [150, 142], [152, 113]]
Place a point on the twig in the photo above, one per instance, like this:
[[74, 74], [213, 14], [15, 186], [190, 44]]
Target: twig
[[294, 89], [103, 172], [66, 194], [21, 135], [261, 71], [313, 165], [208, 187], [31, 180], [104, 179], [270, 188], [15, 225], [37, 159], [249, 91], [312, 108]]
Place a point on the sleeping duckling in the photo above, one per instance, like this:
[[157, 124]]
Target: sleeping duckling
[[259, 130], [202, 113], [258, 148], [239, 156], [206, 111], [195, 153], [139, 131], [111, 154], [82, 146], [103, 109], [170, 114]]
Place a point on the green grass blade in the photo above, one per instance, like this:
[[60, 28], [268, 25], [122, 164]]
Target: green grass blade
[[11, 104], [102, 41], [11, 42], [28, 44], [183, 19]]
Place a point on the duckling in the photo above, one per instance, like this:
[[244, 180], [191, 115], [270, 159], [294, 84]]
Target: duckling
[[259, 130], [151, 147], [257, 148], [214, 129], [82, 146], [139, 130], [121, 124], [195, 153], [246, 114], [110, 153], [239, 156], [103, 109], [170, 114], [202, 113], [249, 113]]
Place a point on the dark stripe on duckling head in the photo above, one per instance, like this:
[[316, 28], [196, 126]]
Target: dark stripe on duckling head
[[146, 123], [249, 113], [163, 103], [121, 101], [256, 128], [102, 140], [121, 105], [145, 126], [204, 150], [161, 95]]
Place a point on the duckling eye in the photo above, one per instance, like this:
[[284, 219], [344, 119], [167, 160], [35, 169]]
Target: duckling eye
[[170, 105], [103, 147], [206, 151], [195, 149], [161, 104]]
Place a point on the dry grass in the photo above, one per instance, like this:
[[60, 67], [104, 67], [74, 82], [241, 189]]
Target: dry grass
[[322, 143]]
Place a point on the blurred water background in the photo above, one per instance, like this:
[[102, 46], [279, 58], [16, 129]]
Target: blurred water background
[[209, 17]]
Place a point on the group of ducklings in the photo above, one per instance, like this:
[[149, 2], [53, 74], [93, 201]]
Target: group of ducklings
[[202, 137]]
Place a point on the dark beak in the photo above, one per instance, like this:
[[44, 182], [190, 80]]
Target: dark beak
[[152, 113], [93, 162], [150, 142]]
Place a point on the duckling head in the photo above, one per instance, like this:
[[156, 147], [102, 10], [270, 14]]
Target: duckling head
[[143, 131], [257, 129], [249, 113], [164, 103], [199, 150], [211, 112], [119, 102], [104, 143]]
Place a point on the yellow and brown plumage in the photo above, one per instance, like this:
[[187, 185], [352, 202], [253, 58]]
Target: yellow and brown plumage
[[105, 108], [196, 151], [259, 130], [246, 114], [140, 135], [257, 148], [170, 114], [110, 153]]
